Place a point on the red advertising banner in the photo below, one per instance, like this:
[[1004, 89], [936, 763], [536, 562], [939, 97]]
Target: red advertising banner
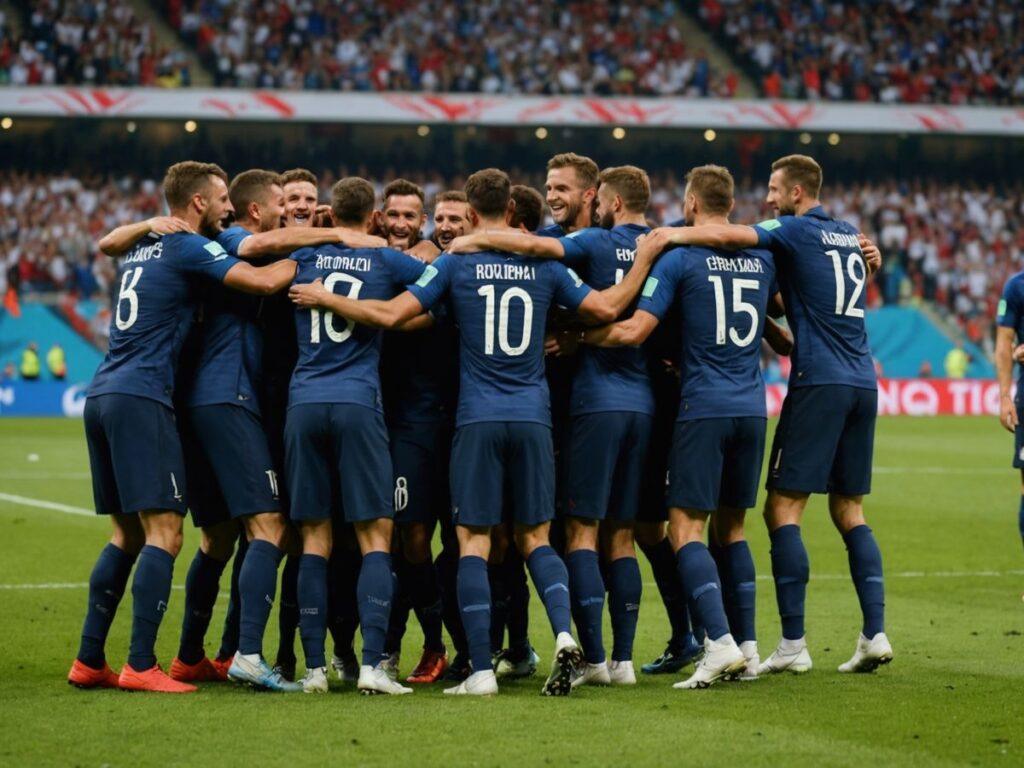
[[921, 397]]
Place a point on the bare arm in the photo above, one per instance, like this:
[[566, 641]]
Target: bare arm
[[776, 306], [118, 241], [607, 305], [261, 281], [512, 242], [425, 251], [1004, 371], [778, 337], [729, 236], [421, 322], [625, 333], [282, 241], [392, 314]]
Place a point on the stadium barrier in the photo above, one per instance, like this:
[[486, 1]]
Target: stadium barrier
[[896, 397]]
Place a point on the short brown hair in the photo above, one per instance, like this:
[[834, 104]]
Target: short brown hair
[[451, 196], [403, 187], [185, 179], [488, 192], [298, 174], [713, 186], [251, 186], [586, 169], [801, 170], [352, 200], [529, 208], [631, 184]]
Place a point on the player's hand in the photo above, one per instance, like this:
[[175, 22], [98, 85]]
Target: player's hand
[[463, 244], [425, 251], [561, 343], [872, 256], [650, 246], [1018, 354], [323, 217], [1007, 413], [165, 225], [354, 239], [308, 294]]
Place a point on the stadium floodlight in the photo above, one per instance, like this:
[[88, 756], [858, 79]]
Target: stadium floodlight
[[423, 130], [131, 126], [7, 123], [805, 138], [541, 133], [619, 133], [190, 126], [833, 139], [710, 135]]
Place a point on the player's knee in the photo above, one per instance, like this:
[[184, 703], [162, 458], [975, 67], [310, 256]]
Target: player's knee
[[128, 535], [685, 526], [782, 508], [847, 512], [267, 526], [529, 538], [649, 534], [218, 541], [474, 542], [317, 539], [416, 543], [580, 533], [727, 525], [375, 535], [163, 530]]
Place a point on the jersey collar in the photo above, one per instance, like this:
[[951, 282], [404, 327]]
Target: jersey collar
[[818, 212]]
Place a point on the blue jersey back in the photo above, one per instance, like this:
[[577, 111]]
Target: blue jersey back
[[338, 359], [1010, 314], [229, 345], [154, 309], [723, 298], [822, 275], [551, 230], [419, 373], [607, 379], [500, 302]]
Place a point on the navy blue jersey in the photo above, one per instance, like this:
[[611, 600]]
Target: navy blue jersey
[[229, 346], [551, 230], [419, 373], [500, 302], [338, 360], [154, 309], [607, 379], [822, 275], [723, 298], [1011, 312]]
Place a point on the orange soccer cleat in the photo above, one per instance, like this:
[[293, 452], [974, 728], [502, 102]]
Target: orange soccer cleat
[[84, 676], [432, 665], [203, 671], [221, 667], [152, 679]]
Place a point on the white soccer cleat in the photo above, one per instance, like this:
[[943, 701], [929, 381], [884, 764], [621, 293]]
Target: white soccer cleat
[[315, 680], [374, 680], [870, 654], [390, 665], [790, 656], [721, 658], [347, 669], [621, 673], [592, 674], [568, 658], [482, 683], [525, 666], [750, 671]]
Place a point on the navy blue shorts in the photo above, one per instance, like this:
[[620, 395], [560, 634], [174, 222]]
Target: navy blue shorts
[[716, 463], [606, 457], [340, 445], [419, 458], [1018, 439], [230, 472], [491, 457], [824, 441], [653, 505], [134, 454]]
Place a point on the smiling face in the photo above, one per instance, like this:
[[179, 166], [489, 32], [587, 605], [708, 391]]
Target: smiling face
[[566, 196], [451, 219], [402, 218], [215, 208], [782, 196], [300, 198], [272, 209]]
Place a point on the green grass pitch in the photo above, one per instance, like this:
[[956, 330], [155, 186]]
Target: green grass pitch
[[944, 510]]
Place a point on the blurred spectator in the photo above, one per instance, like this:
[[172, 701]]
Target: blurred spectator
[[29, 368], [56, 363], [957, 361], [9, 373], [925, 371]]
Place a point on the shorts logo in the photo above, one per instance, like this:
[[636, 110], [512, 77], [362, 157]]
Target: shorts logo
[[401, 494], [174, 484], [272, 479]]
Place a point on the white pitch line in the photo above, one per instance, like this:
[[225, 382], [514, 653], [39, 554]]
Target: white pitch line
[[1008, 471], [44, 475], [25, 501]]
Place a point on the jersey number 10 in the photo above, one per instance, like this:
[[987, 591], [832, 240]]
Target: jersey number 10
[[488, 292]]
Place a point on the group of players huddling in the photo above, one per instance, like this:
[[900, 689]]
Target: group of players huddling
[[595, 374]]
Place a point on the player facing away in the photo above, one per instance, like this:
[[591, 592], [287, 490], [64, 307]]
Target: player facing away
[[1009, 335], [335, 432], [134, 452], [825, 437], [503, 427], [611, 408]]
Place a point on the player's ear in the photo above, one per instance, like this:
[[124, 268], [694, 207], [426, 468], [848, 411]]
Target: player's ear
[[253, 211], [474, 218], [510, 211]]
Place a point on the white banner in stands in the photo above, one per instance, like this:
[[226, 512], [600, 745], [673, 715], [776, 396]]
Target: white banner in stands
[[482, 109]]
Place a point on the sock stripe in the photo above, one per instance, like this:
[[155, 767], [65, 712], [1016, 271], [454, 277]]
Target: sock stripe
[[704, 588]]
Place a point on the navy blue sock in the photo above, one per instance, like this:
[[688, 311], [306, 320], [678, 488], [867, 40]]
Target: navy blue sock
[[344, 567], [500, 598], [288, 610], [201, 586], [475, 608], [312, 593], [518, 604], [257, 584], [699, 578], [720, 555], [552, 582], [447, 564], [587, 592], [151, 589], [624, 590], [663, 565], [229, 637], [1020, 519], [375, 593], [791, 570], [741, 585], [425, 596], [866, 571], [106, 586], [398, 619]]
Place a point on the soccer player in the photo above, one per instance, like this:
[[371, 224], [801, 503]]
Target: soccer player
[[451, 217], [1010, 331], [825, 436], [335, 431], [719, 438], [503, 427], [402, 217], [571, 186], [134, 451], [611, 410], [529, 210]]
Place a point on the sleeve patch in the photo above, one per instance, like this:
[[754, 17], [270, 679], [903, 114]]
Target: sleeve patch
[[216, 250], [1001, 310], [428, 274], [572, 235], [769, 224], [575, 278], [650, 287]]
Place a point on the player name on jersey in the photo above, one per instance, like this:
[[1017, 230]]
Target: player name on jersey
[[842, 239], [734, 264], [505, 272], [351, 263], [144, 253]]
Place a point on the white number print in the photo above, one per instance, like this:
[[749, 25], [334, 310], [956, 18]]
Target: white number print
[[354, 286], [129, 280], [739, 306], [488, 292], [272, 479], [852, 262], [401, 493]]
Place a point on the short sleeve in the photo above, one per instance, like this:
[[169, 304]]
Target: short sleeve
[[208, 258], [231, 238], [433, 281], [570, 290], [659, 292], [1009, 311], [402, 267], [773, 234], [577, 247]]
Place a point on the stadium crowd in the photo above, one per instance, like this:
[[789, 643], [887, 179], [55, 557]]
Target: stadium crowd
[[952, 246]]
